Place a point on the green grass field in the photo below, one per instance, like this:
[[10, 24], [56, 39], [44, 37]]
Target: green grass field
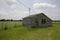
[[9, 24], [23, 33]]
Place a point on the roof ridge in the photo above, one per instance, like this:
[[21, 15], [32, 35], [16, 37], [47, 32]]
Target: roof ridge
[[34, 15]]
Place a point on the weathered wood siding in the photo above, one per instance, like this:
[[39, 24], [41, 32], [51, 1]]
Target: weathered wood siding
[[26, 22], [48, 21], [31, 21]]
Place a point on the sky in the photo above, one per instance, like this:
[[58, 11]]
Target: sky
[[18, 9]]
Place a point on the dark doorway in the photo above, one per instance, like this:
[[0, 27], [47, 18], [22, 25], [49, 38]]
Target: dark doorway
[[37, 23]]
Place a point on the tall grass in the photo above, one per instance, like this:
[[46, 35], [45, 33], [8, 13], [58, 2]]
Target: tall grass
[[9, 24], [23, 33]]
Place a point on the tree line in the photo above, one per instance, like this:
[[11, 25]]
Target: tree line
[[9, 20], [56, 20]]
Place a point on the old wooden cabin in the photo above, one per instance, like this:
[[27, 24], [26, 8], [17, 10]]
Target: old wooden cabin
[[38, 20]]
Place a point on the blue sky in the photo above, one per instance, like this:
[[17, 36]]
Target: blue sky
[[13, 9]]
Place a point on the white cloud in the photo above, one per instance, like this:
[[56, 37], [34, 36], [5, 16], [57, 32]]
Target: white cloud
[[3, 12], [13, 6], [43, 5], [11, 3], [18, 14]]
